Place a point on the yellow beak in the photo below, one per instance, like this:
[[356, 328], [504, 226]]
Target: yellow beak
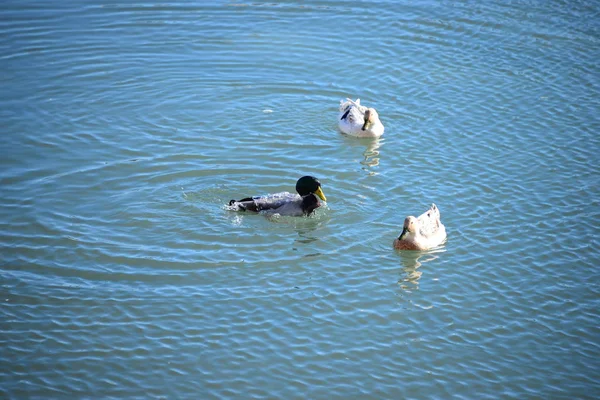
[[319, 193]]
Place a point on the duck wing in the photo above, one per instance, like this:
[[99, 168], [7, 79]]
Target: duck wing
[[267, 202], [351, 117], [429, 222], [347, 106]]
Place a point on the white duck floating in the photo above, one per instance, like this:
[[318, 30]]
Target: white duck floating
[[359, 121], [422, 233]]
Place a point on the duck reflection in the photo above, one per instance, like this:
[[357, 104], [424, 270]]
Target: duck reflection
[[306, 237], [371, 153], [411, 262], [305, 228]]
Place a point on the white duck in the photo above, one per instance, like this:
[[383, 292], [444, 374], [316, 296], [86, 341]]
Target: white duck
[[359, 121], [422, 233]]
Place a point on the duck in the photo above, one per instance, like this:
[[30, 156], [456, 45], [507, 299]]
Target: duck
[[285, 203], [422, 233], [359, 121]]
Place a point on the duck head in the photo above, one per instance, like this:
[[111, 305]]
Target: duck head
[[410, 227], [309, 184], [371, 117]]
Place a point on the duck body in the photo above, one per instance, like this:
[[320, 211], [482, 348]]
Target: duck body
[[422, 233], [357, 120], [285, 203]]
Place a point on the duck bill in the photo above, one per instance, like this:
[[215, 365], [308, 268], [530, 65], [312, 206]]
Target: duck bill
[[404, 232], [319, 193], [366, 125]]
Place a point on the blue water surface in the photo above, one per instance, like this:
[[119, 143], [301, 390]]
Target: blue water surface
[[127, 127]]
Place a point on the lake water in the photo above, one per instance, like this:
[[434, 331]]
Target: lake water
[[126, 127]]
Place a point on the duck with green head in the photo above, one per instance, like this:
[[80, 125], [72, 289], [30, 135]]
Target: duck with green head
[[285, 203]]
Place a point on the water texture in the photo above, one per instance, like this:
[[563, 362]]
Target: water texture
[[126, 127]]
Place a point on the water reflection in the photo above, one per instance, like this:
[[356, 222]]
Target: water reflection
[[371, 152], [411, 262], [371, 155], [306, 228], [306, 236]]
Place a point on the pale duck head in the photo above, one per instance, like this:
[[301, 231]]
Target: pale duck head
[[411, 226], [371, 117]]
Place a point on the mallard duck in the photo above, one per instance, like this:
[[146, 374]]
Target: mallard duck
[[357, 120], [286, 203], [422, 233]]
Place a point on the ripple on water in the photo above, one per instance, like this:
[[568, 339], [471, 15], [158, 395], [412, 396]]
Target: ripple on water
[[129, 127]]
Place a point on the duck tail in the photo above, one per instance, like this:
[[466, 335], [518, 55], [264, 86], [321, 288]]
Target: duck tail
[[436, 210], [245, 204], [348, 103]]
